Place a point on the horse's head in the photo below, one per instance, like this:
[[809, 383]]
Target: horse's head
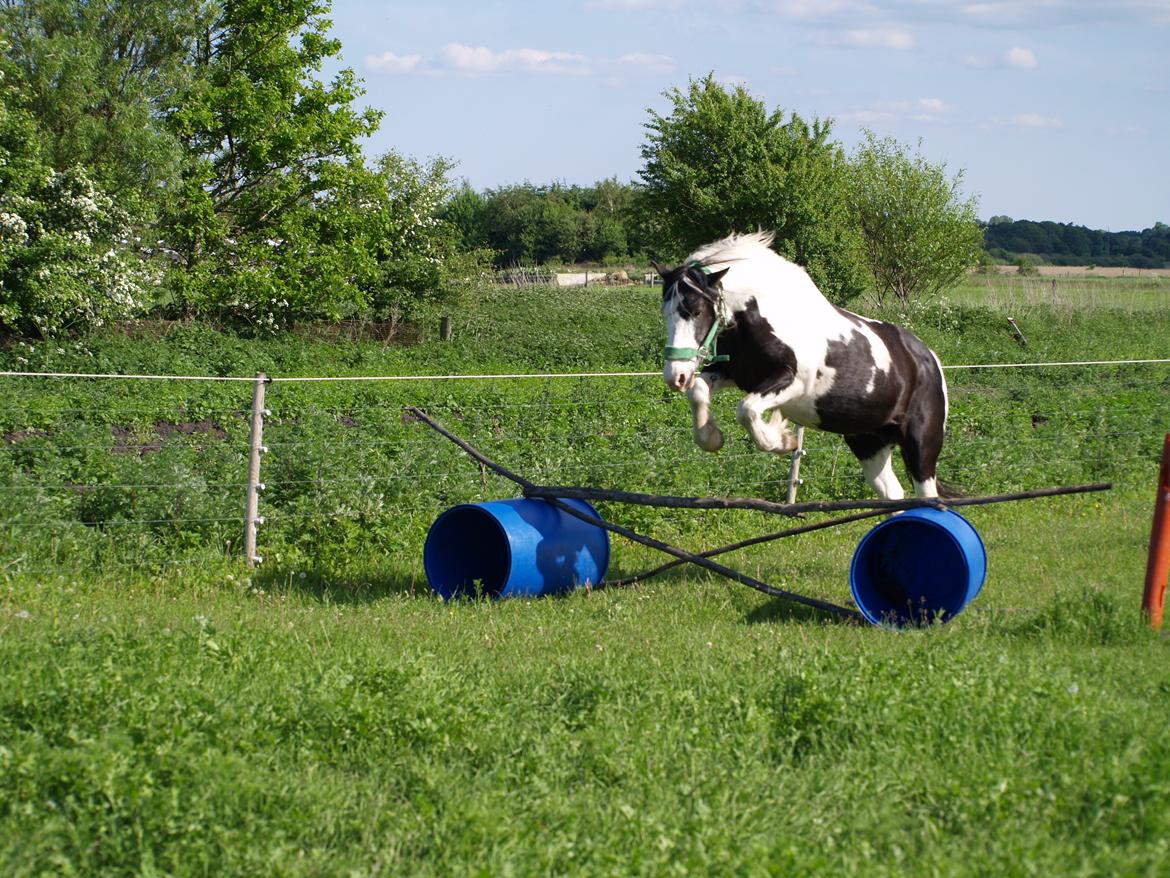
[[694, 312]]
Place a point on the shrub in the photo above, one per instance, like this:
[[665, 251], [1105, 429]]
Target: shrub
[[65, 257]]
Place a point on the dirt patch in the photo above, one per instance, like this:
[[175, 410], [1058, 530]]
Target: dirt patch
[[127, 442], [19, 436]]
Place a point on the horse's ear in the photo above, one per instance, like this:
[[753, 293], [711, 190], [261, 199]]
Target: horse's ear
[[715, 276], [660, 269]]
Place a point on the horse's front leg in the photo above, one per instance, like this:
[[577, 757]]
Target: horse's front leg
[[707, 434], [769, 434]]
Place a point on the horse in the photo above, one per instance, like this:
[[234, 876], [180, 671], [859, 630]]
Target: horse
[[766, 328]]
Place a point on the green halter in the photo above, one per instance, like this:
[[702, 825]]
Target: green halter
[[704, 353]]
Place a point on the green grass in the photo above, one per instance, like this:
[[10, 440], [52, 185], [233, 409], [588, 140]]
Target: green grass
[[324, 715], [1018, 295]]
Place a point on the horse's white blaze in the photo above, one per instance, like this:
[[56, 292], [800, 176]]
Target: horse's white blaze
[[680, 333]]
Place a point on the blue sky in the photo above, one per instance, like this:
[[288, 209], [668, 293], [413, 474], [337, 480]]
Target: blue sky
[[1053, 109]]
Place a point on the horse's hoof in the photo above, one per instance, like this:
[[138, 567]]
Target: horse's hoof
[[784, 444], [709, 438]]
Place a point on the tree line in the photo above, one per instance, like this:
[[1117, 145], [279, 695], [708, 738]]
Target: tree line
[[191, 160], [1067, 244]]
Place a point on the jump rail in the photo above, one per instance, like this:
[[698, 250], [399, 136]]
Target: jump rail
[[554, 495]]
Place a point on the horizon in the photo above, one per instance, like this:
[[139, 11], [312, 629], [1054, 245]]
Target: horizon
[[1053, 110]]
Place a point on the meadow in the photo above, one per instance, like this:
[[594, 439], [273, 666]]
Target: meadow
[[165, 710]]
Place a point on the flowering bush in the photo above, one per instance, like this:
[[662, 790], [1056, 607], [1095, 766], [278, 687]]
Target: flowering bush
[[65, 257]]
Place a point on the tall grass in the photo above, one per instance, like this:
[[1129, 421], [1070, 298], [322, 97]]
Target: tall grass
[[1014, 294]]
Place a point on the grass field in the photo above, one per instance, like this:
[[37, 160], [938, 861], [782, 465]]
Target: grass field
[[1064, 289], [324, 715]]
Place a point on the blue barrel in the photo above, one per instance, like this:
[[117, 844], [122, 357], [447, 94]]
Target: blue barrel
[[505, 548], [923, 565]]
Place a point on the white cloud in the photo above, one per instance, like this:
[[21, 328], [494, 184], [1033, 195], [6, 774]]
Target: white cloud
[[1024, 59], [1027, 120], [874, 38], [480, 60], [919, 109], [457, 58], [818, 9], [866, 117], [1017, 58], [1052, 13], [648, 62], [388, 62], [931, 105], [636, 4]]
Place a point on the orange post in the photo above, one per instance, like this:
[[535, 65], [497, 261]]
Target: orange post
[[1158, 567]]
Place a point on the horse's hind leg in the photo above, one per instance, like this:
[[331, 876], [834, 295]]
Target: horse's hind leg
[[920, 450], [876, 465]]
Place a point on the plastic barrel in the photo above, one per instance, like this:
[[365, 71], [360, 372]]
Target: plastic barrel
[[505, 548], [923, 565]]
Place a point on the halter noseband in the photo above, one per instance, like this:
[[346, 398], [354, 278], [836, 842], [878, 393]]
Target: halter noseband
[[706, 352]]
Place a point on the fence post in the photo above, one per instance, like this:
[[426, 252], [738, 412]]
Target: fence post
[[1158, 566], [794, 469], [251, 520]]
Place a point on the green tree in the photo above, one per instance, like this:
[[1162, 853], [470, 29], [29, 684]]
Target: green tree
[[97, 77], [415, 246], [920, 235], [720, 162], [264, 213], [63, 260], [466, 211]]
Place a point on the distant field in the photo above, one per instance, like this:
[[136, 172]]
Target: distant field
[[1089, 271], [1060, 289]]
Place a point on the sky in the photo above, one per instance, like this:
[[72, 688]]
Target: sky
[[1051, 109]]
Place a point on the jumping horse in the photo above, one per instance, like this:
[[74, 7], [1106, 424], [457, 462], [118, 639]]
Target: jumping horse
[[739, 314]]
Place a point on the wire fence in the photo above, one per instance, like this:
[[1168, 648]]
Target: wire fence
[[93, 474]]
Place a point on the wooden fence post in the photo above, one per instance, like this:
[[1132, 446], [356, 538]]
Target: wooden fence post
[[252, 520], [1158, 566], [794, 470]]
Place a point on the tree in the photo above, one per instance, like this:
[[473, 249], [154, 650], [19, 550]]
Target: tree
[[414, 246], [270, 150], [920, 236], [63, 260], [97, 77], [466, 210], [721, 163]]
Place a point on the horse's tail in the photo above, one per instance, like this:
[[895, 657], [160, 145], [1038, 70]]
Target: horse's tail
[[947, 491]]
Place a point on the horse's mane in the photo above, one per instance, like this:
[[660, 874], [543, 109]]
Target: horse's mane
[[733, 248]]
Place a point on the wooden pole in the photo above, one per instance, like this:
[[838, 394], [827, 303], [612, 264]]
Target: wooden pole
[[1158, 565], [798, 509], [743, 544], [794, 469], [700, 561], [256, 447]]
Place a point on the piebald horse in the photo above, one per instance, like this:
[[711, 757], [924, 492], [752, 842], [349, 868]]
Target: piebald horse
[[739, 314]]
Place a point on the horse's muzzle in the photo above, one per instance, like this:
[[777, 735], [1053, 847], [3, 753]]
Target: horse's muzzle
[[678, 375]]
